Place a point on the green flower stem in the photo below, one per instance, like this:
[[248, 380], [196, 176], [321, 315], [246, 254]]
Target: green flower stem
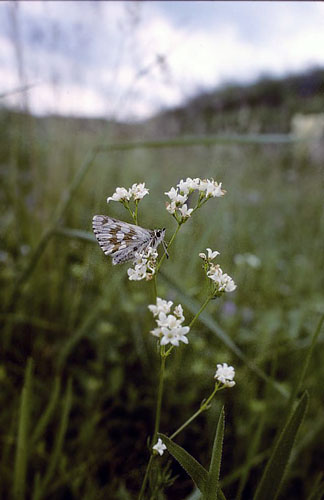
[[160, 393], [135, 213], [148, 468], [157, 420], [201, 310], [154, 287], [203, 407], [170, 243], [126, 205]]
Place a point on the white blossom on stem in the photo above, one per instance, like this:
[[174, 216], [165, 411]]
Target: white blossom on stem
[[144, 265], [170, 329], [121, 194], [138, 191], [225, 374], [222, 282], [207, 188], [161, 306], [211, 255], [159, 447], [185, 212]]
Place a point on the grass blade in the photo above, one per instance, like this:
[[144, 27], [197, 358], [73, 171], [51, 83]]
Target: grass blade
[[59, 442], [305, 365], [20, 469], [212, 485], [195, 470], [271, 480], [46, 416], [317, 491]]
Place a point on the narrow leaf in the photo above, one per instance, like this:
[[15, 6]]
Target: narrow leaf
[[59, 441], [272, 477], [20, 468], [47, 414], [305, 364], [195, 470], [317, 491], [212, 486]]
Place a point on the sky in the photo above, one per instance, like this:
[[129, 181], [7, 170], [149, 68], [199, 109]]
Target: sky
[[130, 60]]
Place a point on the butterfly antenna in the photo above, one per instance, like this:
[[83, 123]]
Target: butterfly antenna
[[165, 249]]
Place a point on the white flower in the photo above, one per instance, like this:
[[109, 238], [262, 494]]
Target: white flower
[[184, 186], [211, 188], [175, 196], [137, 274], [121, 194], [144, 265], [181, 332], [211, 255], [156, 332], [223, 281], [168, 321], [178, 312], [188, 185], [175, 335], [138, 191], [171, 207], [225, 374], [159, 447], [161, 306], [185, 212], [169, 326], [228, 283]]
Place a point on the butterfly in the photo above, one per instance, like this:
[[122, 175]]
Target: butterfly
[[122, 241]]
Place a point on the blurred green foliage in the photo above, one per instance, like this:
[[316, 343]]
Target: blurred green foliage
[[80, 320]]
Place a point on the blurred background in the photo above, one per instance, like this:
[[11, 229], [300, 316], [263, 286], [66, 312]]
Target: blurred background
[[81, 83]]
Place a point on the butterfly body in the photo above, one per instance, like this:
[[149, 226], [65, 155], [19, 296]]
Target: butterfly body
[[122, 241]]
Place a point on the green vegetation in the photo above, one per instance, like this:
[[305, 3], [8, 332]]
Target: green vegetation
[[79, 369]]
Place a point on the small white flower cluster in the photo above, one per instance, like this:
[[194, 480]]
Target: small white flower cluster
[[211, 255], [159, 447], [222, 281], [144, 265], [135, 193], [207, 188], [225, 374], [169, 326]]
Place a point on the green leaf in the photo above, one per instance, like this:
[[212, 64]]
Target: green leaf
[[307, 358], [317, 491], [58, 443], [212, 485], [47, 414], [20, 469], [272, 477], [195, 470]]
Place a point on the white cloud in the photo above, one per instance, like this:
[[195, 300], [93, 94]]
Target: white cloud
[[131, 59]]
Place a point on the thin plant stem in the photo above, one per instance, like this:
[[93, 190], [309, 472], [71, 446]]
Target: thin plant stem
[[148, 468], [155, 287], [160, 394], [170, 243], [157, 420], [208, 299], [135, 213], [203, 407]]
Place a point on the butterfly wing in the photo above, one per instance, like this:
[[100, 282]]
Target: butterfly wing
[[119, 239]]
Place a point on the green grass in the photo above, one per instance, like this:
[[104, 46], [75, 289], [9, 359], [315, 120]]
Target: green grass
[[85, 326]]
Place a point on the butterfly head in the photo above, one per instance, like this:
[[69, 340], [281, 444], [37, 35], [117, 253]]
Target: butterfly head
[[159, 238], [159, 235]]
